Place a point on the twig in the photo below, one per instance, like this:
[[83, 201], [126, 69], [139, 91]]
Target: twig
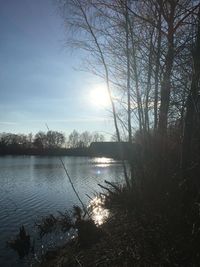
[[105, 188], [69, 178], [76, 193], [77, 260], [88, 196], [113, 185]]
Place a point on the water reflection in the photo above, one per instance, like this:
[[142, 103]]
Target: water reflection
[[98, 212], [103, 162], [32, 187]]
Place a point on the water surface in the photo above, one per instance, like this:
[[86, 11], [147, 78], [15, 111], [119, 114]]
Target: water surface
[[32, 187]]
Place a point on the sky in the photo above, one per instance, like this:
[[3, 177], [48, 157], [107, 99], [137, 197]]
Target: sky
[[39, 80]]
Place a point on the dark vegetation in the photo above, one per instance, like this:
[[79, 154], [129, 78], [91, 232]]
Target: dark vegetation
[[49, 143], [54, 143], [154, 223], [22, 243], [87, 232]]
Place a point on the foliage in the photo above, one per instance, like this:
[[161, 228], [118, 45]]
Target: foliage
[[22, 243], [87, 231], [84, 139], [50, 223], [51, 139], [46, 141]]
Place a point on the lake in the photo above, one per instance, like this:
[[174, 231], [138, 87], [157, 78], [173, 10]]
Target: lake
[[33, 186]]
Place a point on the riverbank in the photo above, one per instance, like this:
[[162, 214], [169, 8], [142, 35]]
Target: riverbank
[[118, 246], [152, 229], [114, 150], [126, 241], [154, 220], [84, 152]]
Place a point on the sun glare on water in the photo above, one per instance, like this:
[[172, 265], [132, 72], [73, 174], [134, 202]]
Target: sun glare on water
[[99, 97], [98, 212]]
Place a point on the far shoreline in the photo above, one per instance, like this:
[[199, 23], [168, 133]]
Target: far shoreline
[[115, 150]]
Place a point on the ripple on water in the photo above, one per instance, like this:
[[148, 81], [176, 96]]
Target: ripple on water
[[31, 187]]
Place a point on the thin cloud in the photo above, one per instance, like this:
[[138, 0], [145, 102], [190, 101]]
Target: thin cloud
[[89, 119], [8, 123]]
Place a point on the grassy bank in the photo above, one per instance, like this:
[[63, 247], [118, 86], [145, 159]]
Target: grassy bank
[[135, 234]]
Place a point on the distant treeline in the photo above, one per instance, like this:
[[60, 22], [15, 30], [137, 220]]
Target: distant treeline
[[50, 142]]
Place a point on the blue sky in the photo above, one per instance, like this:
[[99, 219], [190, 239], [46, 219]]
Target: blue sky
[[38, 82]]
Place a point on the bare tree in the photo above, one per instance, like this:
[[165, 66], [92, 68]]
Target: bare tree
[[142, 50]]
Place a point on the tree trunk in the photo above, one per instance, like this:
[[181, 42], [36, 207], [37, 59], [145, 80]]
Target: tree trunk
[[190, 126], [157, 73], [135, 78], [166, 83], [128, 74], [148, 88]]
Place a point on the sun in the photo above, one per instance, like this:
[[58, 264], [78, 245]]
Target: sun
[[99, 97]]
